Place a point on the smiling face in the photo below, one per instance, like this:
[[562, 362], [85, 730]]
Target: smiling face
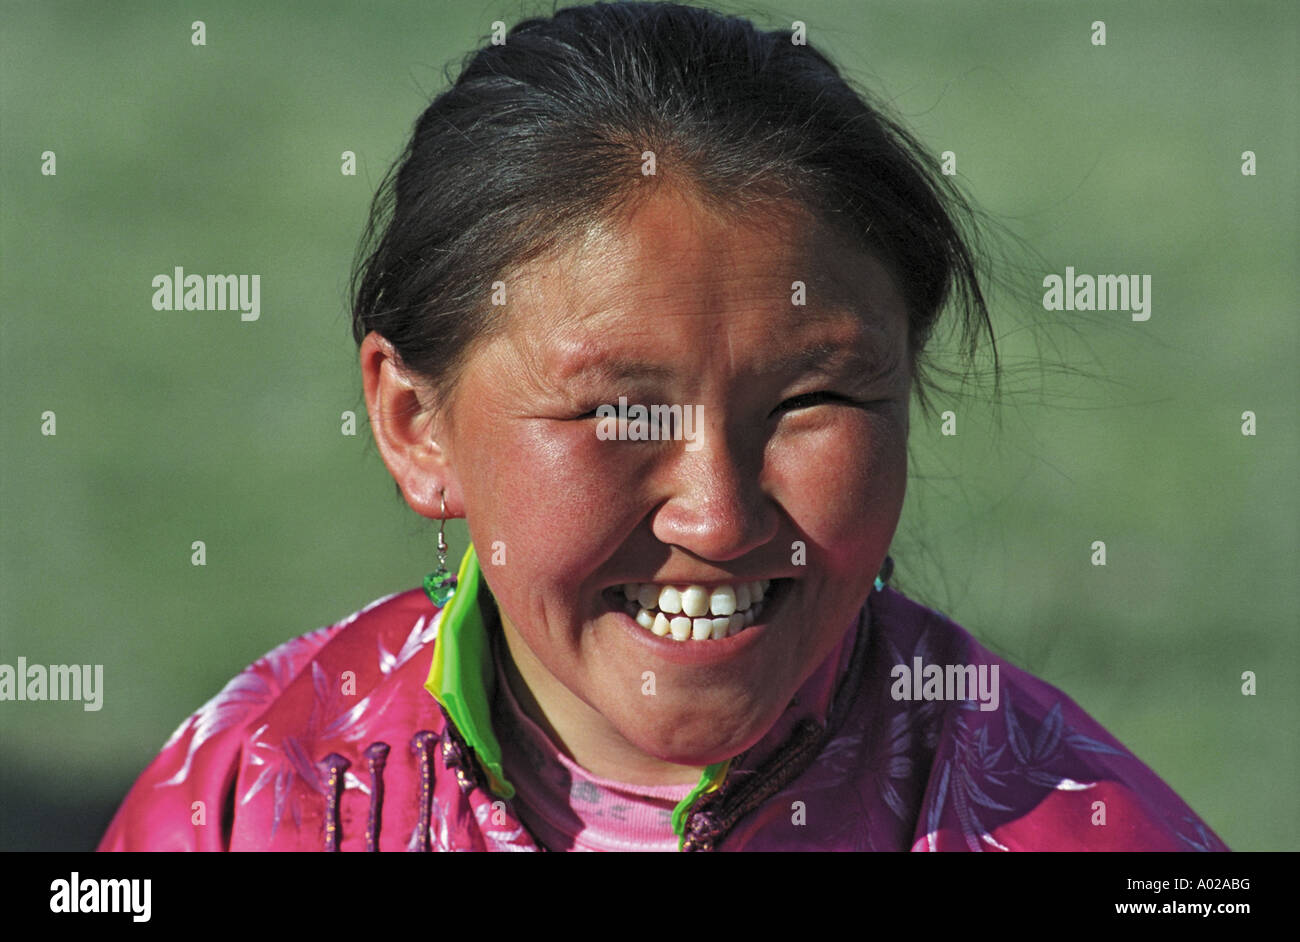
[[800, 428]]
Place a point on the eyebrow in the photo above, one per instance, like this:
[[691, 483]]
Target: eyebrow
[[825, 358], [865, 347], [617, 369], [836, 358]]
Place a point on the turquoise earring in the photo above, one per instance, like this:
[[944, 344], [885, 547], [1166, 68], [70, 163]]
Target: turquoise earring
[[440, 585], [886, 571]]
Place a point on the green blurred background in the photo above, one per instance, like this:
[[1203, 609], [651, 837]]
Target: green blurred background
[[180, 426]]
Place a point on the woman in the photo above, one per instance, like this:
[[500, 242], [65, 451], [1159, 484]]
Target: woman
[[648, 301]]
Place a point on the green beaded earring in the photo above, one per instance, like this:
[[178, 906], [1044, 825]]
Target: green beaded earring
[[440, 585]]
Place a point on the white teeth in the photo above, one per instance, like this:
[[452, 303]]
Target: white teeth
[[695, 613], [742, 597], [695, 601], [648, 595], [670, 600], [723, 600]]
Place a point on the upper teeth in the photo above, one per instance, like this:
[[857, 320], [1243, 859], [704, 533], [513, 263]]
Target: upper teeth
[[685, 612]]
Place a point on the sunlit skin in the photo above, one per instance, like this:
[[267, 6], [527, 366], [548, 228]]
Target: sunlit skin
[[668, 304]]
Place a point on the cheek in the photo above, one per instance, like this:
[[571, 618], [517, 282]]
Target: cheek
[[843, 484], [552, 494]]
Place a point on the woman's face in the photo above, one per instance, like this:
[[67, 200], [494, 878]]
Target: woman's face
[[796, 473]]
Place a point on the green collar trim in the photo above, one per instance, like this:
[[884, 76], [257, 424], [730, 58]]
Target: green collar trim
[[710, 780], [462, 677]]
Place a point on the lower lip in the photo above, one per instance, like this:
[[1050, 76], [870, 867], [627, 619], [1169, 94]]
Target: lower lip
[[692, 653]]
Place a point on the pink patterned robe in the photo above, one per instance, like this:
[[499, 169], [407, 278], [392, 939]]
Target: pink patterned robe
[[283, 759]]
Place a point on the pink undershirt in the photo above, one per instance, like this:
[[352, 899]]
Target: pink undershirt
[[568, 809]]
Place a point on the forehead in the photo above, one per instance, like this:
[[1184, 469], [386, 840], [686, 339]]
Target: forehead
[[671, 270]]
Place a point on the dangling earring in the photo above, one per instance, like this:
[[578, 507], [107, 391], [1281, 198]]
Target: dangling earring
[[886, 571], [440, 585]]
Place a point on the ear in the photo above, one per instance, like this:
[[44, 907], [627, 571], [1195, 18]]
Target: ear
[[406, 432]]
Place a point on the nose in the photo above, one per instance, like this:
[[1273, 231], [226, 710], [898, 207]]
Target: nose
[[716, 507]]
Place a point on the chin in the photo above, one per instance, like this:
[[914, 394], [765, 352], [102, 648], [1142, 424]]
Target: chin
[[703, 742]]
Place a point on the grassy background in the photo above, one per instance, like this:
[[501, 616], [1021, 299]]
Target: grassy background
[[174, 427]]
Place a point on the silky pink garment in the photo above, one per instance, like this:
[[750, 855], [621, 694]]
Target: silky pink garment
[[283, 759]]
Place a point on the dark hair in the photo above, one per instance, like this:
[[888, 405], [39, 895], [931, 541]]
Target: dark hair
[[542, 137]]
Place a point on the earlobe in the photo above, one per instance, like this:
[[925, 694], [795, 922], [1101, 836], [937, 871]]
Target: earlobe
[[410, 444]]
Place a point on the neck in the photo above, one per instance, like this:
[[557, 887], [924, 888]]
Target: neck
[[579, 731]]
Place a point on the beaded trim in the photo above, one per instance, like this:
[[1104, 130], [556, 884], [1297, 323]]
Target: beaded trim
[[376, 759], [422, 744], [333, 765]]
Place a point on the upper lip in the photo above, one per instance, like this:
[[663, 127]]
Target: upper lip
[[703, 583]]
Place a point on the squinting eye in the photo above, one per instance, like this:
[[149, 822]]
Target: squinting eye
[[812, 399]]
